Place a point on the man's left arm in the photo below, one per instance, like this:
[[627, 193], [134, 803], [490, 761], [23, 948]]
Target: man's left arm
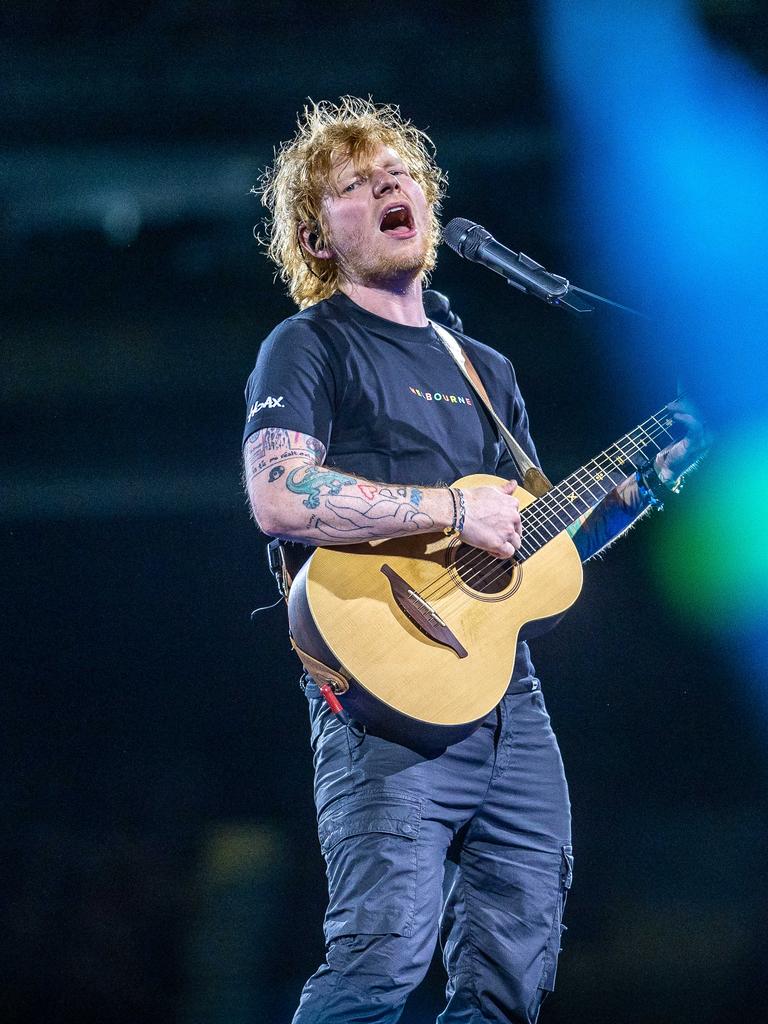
[[627, 502]]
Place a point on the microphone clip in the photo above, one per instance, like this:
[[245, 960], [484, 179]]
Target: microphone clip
[[559, 295]]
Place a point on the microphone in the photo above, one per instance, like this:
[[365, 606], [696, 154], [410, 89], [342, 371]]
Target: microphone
[[475, 243]]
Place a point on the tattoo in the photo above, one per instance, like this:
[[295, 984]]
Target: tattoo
[[316, 447], [268, 440], [357, 515], [310, 480], [393, 492], [273, 444], [365, 511], [259, 448]]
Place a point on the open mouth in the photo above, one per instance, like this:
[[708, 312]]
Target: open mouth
[[397, 221]]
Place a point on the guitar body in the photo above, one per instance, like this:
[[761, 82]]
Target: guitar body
[[426, 627]]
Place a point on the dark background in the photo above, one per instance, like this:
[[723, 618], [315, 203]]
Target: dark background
[[159, 855]]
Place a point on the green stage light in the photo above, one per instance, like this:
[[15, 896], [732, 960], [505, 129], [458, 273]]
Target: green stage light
[[712, 559]]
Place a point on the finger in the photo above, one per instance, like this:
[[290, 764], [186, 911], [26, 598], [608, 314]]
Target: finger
[[509, 486], [685, 407], [681, 404], [505, 551], [515, 526], [691, 422]]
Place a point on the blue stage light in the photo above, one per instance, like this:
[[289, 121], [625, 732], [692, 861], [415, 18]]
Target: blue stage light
[[666, 176]]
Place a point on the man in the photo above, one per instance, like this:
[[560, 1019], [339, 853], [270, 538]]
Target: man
[[346, 441]]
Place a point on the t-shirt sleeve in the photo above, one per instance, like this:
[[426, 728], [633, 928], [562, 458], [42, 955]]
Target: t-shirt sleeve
[[517, 420], [294, 383]]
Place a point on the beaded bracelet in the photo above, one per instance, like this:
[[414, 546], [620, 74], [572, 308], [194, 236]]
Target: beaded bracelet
[[462, 512], [459, 512], [452, 528]]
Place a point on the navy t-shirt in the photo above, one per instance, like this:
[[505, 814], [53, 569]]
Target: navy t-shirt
[[386, 400]]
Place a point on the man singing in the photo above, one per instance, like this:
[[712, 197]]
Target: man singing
[[347, 441]]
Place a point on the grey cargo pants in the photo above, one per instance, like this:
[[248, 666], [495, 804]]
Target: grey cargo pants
[[473, 845]]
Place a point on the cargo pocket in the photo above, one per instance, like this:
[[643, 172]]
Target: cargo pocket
[[369, 841], [319, 713], [553, 944]]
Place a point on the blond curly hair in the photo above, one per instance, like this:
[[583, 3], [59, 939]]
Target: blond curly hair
[[293, 187]]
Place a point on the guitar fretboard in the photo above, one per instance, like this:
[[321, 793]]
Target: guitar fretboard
[[559, 508]]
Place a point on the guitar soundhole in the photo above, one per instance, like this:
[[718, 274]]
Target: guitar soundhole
[[480, 571]]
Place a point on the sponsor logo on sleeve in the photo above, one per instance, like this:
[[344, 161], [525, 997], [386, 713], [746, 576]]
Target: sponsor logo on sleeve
[[268, 403]]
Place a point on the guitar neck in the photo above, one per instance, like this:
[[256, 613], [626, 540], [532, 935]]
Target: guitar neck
[[560, 507]]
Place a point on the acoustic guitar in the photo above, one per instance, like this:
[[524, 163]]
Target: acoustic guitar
[[422, 630]]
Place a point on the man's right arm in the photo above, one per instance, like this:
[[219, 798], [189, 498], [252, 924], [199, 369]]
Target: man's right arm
[[295, 497]]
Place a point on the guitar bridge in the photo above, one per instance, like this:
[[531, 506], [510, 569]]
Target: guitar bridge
[[421, 613]]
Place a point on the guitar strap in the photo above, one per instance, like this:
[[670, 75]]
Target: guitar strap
[[533, 478], [322, 674]]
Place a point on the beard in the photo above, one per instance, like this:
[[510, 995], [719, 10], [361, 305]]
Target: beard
[[365, 265]]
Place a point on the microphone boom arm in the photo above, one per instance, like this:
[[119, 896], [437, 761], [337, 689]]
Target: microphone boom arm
[[473, 242], [530, 277]]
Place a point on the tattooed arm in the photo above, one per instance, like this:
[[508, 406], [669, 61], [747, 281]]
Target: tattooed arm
[[294, 496]]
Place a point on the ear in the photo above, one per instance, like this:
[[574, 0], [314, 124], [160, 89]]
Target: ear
[[311, 240]]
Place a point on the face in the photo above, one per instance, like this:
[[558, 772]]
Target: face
[[377, 219]]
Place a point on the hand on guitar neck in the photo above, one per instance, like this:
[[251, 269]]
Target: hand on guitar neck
[[678, 458], [295, 497]]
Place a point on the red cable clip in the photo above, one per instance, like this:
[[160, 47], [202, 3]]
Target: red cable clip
[[333, 702]]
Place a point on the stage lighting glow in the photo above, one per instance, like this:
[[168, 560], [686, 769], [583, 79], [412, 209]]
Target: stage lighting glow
[[667, 193], [668, 187], [712, 557]]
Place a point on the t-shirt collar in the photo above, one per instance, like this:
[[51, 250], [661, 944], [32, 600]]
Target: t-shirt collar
[[380, 324]]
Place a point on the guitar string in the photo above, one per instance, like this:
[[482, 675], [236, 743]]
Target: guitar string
[[551, 514], [528, 550], [491, 562], [587, 479], [489, 570], [551, 508], [535, 527], [546, 510]]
